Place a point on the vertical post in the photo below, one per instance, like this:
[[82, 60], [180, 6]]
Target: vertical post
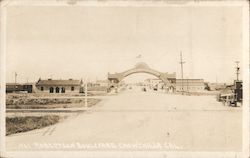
[[181, 62], [15, 82], [237, 70], [86, 91]]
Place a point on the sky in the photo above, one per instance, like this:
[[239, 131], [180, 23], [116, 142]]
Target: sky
[[62, 42]]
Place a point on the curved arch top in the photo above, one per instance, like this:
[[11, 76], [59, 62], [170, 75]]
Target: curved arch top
[[142, 68]]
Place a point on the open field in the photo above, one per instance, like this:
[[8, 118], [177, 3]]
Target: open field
[[27, 112], [30, 102], [31, 95], [63, 104]]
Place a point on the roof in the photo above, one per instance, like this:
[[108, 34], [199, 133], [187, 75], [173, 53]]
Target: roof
[[102, 81], [116, 75], [12, 84], [189, 80], [51, 82]]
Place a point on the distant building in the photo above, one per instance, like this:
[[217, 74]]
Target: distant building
[[99, 85], [17, 87], [190, 85], [155, 83], [217, 86], [102, 83], [60, 86]]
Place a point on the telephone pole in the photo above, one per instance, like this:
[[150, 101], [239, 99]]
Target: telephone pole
[[85, 92], [15, 81], [181, 62], [237, 70]]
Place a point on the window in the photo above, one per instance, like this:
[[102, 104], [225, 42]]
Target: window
[[51, 90], [57, 90], [72, 88], [63, 90], [41, 88]]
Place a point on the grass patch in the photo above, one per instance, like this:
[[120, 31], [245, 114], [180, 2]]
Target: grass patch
[[49, 103], [27, 123]]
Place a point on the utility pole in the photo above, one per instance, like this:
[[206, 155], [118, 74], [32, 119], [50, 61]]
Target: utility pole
[[181, 62], [15, 81], [237, 70], [86, 91]]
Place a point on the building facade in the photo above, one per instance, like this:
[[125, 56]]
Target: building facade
[[187, 85], [103, 83], [190, 85], [60, 86], [155, 83]]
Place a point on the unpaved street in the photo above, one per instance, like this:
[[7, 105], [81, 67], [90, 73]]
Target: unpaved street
[[133, 116]]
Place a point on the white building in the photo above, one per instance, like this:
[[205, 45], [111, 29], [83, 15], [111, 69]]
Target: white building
[[190, 85]]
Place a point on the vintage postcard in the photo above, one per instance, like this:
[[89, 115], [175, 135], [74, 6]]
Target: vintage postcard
[[165, 78]]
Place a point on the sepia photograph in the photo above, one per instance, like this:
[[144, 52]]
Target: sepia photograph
[[161, 78]]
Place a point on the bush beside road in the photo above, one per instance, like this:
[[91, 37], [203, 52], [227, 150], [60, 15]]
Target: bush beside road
[[27, 123]]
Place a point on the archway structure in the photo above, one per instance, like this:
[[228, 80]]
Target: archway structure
[[168, 79]]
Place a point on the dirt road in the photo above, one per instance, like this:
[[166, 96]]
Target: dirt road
[[137, 117]]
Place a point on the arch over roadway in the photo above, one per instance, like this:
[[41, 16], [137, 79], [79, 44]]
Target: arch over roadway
[[168, 79]]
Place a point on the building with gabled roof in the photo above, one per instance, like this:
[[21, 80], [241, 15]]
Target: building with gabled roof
[[60, 86]]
